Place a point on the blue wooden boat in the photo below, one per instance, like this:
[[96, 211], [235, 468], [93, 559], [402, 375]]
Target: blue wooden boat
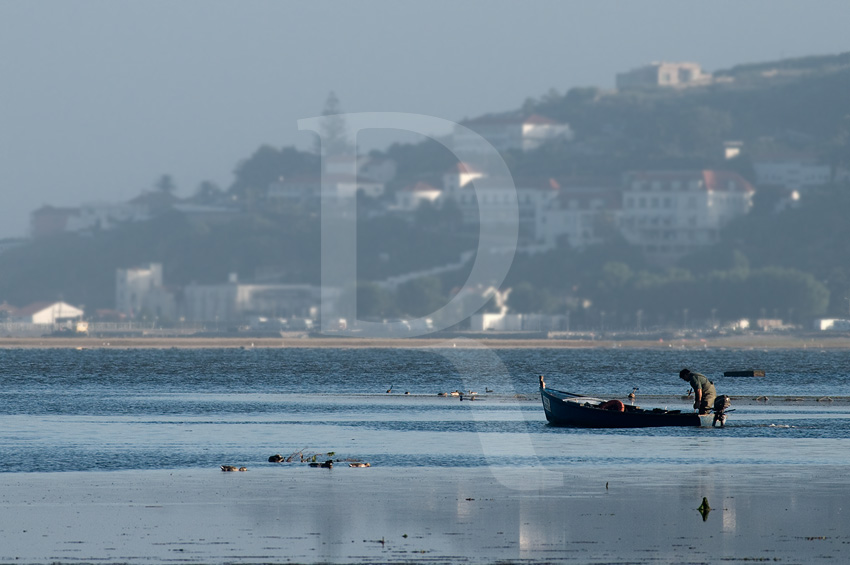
[[568, 409]]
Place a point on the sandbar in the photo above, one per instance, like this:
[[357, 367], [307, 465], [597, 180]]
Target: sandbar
[[744, 342]]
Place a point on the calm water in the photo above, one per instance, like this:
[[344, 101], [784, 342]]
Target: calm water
[[108, 409]]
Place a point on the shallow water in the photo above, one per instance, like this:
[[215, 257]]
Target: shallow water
[[105, 409]]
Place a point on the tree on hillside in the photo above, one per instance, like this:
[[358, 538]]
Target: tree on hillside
[[421, 297], [268, 165], [207, 192], [334, 132], [165, 184], [374, 302], [525, 298]]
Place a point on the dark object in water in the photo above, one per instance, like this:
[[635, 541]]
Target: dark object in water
[[704, 509], [721, 406], [231, 468], [326, 465], [750, 373], [568, 409], [276, 458]]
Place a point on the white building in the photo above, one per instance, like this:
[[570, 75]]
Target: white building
[[834, 324], [582, 214], [307, 190], [106, 216], [50, 220], [409, 198], [663, 74], [516, 322], [47, 313], [459, 176], [509, 133], [501, 196], [791, 172], [139, 291], [668, 214], [235, 303]]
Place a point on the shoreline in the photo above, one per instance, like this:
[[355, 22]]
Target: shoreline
[[745, 342], [552, 515]]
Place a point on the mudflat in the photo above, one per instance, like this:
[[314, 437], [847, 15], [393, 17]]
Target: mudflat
[[576, 514]]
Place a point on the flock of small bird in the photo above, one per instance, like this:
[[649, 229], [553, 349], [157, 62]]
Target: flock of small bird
[[471, 394]]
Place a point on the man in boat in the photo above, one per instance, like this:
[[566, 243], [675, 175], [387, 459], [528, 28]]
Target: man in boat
[[704, 391]]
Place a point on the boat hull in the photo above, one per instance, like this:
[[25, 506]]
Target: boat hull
[[565, 409]]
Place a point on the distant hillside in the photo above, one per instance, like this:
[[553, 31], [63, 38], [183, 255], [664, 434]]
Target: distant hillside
[[797, 104], [797, 65], [803, 106]]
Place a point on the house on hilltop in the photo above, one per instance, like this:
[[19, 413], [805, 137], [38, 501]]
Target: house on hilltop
[[664, 74], [409, 198], [51, 220], [507, 133], [306, 190]]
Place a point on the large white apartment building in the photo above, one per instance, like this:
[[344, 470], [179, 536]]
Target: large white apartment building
[[669, 214], [499, 197], [583, 213]]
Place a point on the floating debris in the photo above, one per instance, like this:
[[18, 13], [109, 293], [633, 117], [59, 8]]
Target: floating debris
[[231, 468], [747, 373], [326, 465], [825, 399], [359, 465], [276, 458]]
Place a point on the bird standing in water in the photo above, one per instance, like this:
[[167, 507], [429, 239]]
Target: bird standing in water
[[632, 394]]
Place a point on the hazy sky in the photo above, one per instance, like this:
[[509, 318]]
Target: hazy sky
[[99, 98]]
